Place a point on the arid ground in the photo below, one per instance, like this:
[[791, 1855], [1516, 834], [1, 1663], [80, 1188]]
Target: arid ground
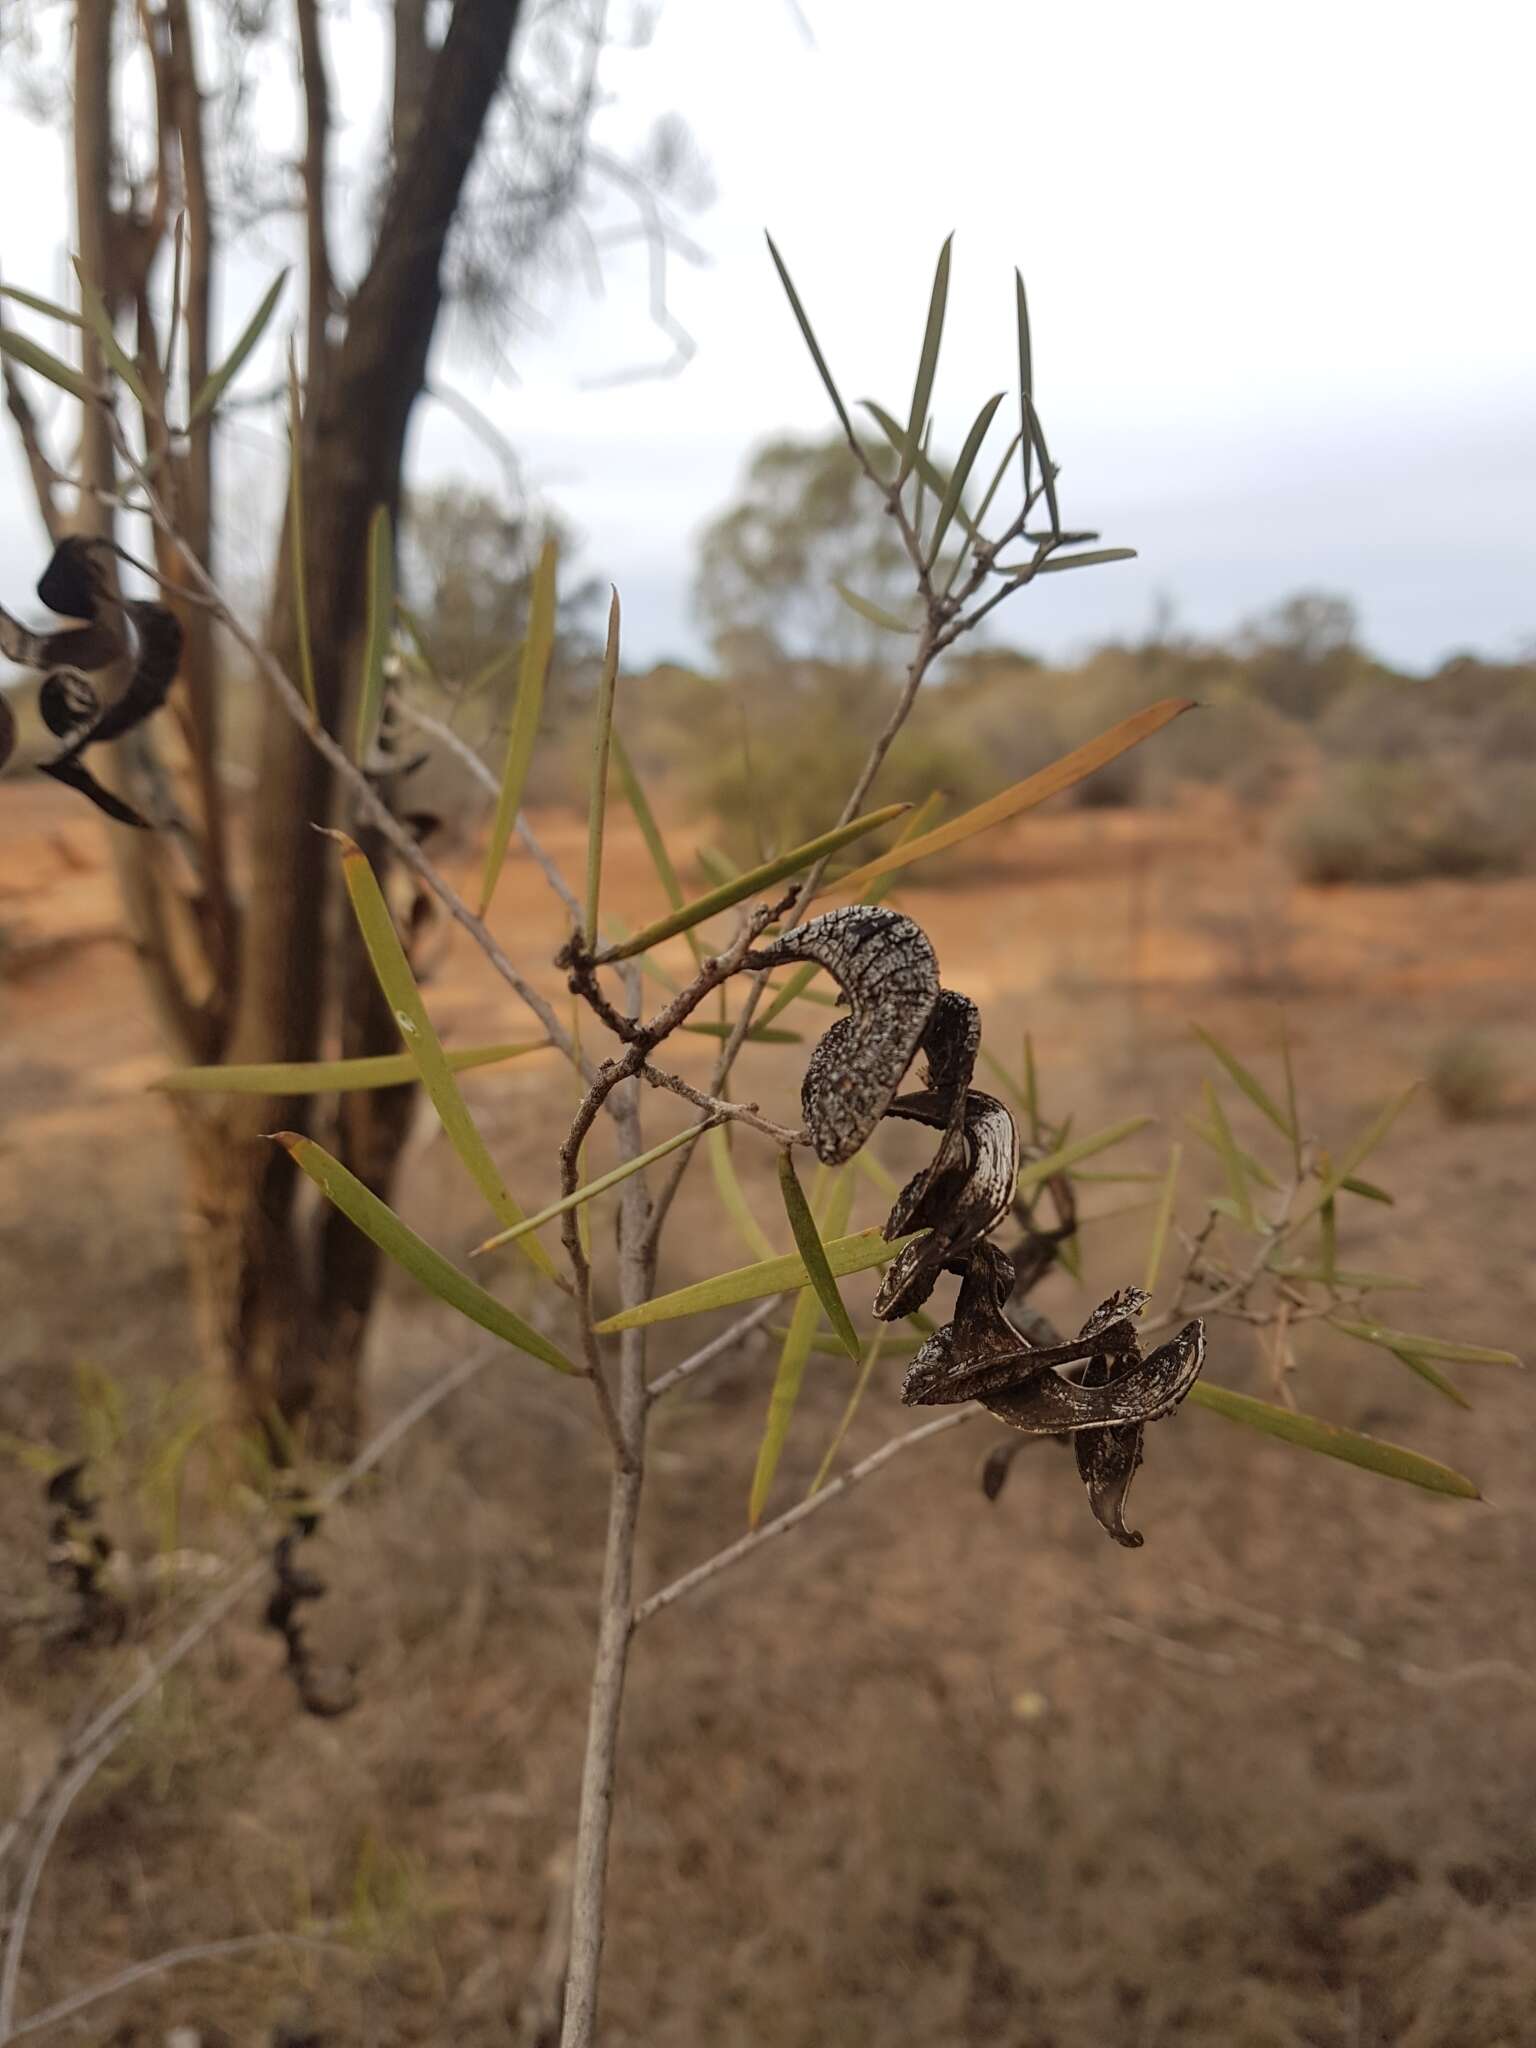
[[928, 1771]]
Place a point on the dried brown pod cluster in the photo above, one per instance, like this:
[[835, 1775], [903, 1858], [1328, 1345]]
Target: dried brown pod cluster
[[49, 726], [323, 1694], [79, 1552], [886, 968]]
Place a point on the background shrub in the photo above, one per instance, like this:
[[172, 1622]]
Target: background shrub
[[1400, 821]]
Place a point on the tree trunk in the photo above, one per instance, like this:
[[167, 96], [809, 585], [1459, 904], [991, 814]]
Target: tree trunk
[[284, 1291], [93, 217], [286, 1306]]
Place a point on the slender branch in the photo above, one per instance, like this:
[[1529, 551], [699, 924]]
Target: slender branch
[[716, 1348], [715, 1107], [608, 1078], [73, 1784], [637, 1272], [157, 1966], [483, 426], [466, 755], [640, 1039], [690, 1582], [1350, 1650]]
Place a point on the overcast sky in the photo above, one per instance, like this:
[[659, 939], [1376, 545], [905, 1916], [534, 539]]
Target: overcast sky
[[1278, 258]]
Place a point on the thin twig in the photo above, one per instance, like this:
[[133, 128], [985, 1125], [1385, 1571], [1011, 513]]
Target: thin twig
[[637, 1273], [1350, 1650], [806, 890], [464, 753], [608, 1078], [744, 1547], [716, 1109], [64, 1798], [157, 1966], [717, 1347]]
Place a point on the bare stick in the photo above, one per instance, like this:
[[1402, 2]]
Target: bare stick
[[637, 1270], [157, 1966], [716, 1348], [733, 1553], [716, 1109], [465, 754], [58, 1811], [1350, 1650]]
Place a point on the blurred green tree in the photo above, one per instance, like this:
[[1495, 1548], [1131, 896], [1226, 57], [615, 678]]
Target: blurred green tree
[[1304, 652], [803, 521], [466, 570]]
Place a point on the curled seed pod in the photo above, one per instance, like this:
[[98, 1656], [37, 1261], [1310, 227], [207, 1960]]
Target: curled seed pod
[[157, 634], [1143, 1390], [79, 1554], [958, 1205], [978, 1335], [886, 968], [67, 704], [1108, 1459], [998, 1463], [77, 584], [950, 1044], [981, 1355], [49, 727], [41, 716], [966, 1188], [1107, 1462], [319, 1693]]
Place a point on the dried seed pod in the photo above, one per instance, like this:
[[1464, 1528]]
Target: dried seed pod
[[322, 1693], [79, 1555], [978, 1335], [41, 716], [998, 1463], [886, 968], [77, 584], [66, 706], [965, 1189], [1144, 1390], [950, 1044], [981, 1355], [157, 637], [958, 1204], [1107, 1462], [1108, 1459]]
